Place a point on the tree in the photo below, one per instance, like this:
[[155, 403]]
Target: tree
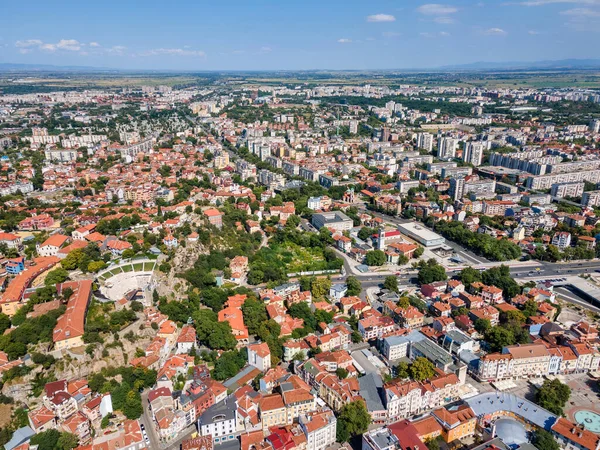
[[421, 369], [544, 440], [402, 369], [133, 405], [67, 441], [391, 283], [430, 272], [482, 326], [4, 323], [95, 266], [499, 337], [341, 373], [353, 285], [255, 314], [365, 233], [56, 276], [513, 316], [354, 419], [418, 252], [375, 258], [320, 287], [530, 308], [553, 395]]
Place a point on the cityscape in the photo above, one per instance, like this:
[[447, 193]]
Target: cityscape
[[276, 248]]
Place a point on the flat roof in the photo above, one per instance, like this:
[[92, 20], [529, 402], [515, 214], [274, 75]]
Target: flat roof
[[420, 230], [493, 402]]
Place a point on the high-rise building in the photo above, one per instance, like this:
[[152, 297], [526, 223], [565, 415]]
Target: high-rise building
[[425, 141], [457, 188], [595, 126], [473, 153], [447, 148], [385, 134], [353, 125]]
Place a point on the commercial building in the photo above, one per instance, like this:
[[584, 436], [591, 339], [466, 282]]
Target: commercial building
[[334, 219], [421, 234]]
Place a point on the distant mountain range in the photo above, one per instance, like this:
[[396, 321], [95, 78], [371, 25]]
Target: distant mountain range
[[524, 65], [561, 64], [10, 67]]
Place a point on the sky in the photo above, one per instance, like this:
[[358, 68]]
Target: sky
[[199, 35]]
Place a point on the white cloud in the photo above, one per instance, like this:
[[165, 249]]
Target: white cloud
[[94, 44], [174, 52], [553, 2], [435, 35], [117, 50], [69, 44], [494, 32], [435, 9], [444, 20], [266, 49], [583, 19], [64, 44], [581, 12], [48, 47], [391, 34], [28, 43], [344, 41], [381, 18]]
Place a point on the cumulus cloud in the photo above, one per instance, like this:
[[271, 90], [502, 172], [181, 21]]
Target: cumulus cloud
[[64, 44], [117, 50], [381, 18], [344, 41], [436, 9], [28, 43], [576, 12], [494, 32], [553, 2], [266, 49], [174, 52], [583, 19], [94, 44], [69, 44]]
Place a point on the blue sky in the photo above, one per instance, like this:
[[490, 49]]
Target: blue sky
[[296, 34]]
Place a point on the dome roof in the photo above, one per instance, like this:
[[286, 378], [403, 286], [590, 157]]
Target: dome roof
[[511, 432]]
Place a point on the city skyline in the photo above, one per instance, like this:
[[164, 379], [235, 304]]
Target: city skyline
[[312, 35]]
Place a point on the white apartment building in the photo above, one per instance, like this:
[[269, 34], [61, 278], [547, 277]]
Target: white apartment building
[[320, 429], [259, 356], [590, 198], [562, 239], [473, 153], [425, 141], [546, 181], [562, 190], [447, 148]]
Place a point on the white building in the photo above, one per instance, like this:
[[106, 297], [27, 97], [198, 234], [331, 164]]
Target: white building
[[425, 141], [259, 356], [320, 428], [220, 421], [473, 153], [447, 148]]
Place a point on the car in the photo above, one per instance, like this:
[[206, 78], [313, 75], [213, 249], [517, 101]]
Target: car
[[142, 426]]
